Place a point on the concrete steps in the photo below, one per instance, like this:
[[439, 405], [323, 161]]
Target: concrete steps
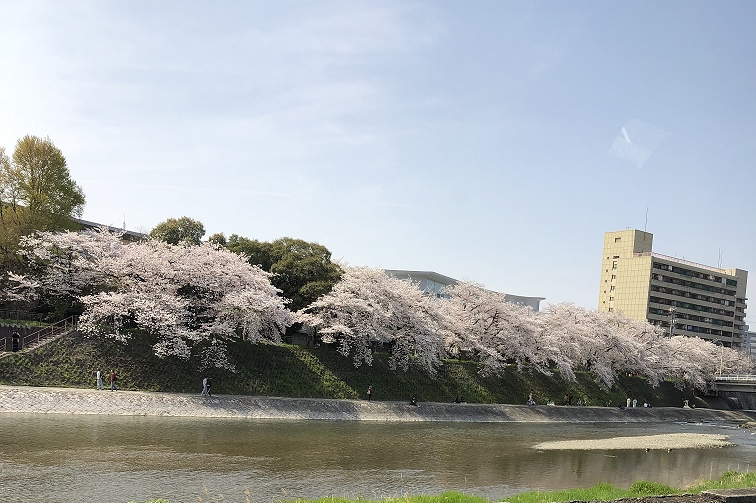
[[39, 338]]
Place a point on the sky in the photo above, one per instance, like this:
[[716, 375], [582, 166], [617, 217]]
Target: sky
[[489, 141]]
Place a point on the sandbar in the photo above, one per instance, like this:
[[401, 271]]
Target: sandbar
[[662, 441]]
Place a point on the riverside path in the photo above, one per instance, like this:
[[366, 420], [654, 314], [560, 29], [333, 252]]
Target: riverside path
[[48, 400]]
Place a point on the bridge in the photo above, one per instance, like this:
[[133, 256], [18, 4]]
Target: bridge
[[741, 383]]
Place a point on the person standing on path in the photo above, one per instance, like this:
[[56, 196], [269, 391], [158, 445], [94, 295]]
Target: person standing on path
[[209, 385], [635, 402], [112, 380], [98, 378], [16, 341], [628, 403], [370, 392], [204, 387]]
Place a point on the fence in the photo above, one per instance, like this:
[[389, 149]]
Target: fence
[[35, 338], [19, 314], [736, 378]]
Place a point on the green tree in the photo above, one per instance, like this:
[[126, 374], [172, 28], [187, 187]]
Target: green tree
[[303, 270], [179, 230], [257, 252], [218, 238], [37, 193]]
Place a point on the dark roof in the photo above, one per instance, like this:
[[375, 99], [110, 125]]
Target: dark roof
[[130, 235]]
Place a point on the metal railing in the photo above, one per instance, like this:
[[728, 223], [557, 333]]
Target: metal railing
[[736, 378], [34, 339]]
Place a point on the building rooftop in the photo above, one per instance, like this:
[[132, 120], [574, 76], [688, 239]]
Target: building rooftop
[[681, 261], [132, 235]]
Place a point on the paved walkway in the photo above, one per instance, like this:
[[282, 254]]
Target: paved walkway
[[26, 399]]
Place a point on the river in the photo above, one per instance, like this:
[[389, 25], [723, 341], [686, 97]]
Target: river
[[72, 458]]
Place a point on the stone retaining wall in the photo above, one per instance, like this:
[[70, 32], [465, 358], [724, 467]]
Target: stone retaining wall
[[21, 399]]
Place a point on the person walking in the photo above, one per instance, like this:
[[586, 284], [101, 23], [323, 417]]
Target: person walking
[[16, 341], [370, 392], [204, 387], [628, 403], [635, 402], [98, 379], [209, 385], [112, 380]]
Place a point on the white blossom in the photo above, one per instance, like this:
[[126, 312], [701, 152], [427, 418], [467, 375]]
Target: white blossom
[[187, 296], [369, 307]]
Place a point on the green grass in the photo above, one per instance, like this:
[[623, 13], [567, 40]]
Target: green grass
[[603, 492], [24, 323], [292, 371], [599, 492], [730, 480]]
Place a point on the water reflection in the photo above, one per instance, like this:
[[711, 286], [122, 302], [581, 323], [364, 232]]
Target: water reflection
[[100, 458]]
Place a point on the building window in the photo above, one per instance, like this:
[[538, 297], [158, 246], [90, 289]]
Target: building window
[[614, 265], [611, 289], [611, 309], [614, 276], [617, 240]]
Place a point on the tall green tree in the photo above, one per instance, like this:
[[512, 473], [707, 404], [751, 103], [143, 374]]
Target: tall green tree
[[258, 252], [37, 193], [303, 270], [182, 230]]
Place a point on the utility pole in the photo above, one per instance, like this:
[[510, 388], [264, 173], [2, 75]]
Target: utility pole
[[672, 312]]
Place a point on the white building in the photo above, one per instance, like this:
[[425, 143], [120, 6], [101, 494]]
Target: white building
[[432, 283], [749, 340]]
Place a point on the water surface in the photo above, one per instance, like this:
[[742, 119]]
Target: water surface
[[57, 458]]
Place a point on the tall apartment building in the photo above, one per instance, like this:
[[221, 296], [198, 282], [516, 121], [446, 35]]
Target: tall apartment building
[[694, 299]]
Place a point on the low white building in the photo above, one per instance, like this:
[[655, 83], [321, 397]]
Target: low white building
[[432, 283], [749, 340]]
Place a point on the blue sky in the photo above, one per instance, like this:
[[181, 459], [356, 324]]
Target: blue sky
[[472, 139]]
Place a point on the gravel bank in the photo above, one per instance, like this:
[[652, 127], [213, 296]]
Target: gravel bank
[[664, 441], [27, 399]]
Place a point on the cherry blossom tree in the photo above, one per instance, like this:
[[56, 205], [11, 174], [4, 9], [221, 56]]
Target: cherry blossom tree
[[481, 323], [696, 362], [194, 298], [368, 307], [602, 343], [190, 297]]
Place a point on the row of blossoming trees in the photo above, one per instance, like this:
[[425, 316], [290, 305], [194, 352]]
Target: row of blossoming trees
[[195, 298]]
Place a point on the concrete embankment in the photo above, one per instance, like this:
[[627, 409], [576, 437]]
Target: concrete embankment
[[22, 399]]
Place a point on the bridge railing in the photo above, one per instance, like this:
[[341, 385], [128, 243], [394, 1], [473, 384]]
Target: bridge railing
[[736, 378]]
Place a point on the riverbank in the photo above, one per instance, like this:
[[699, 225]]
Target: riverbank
[[297, 372], [732, 487], [45, 400]]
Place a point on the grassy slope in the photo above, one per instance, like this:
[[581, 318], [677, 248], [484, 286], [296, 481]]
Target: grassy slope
[[298, 372]]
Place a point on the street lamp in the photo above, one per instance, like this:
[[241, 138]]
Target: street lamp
[[721, 354], [672, 312]]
